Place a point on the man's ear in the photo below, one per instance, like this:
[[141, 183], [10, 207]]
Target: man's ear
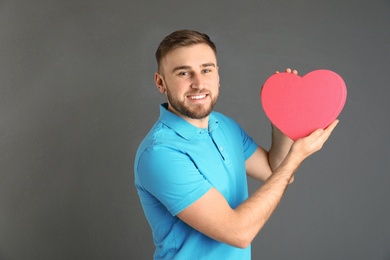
[[160, 83]]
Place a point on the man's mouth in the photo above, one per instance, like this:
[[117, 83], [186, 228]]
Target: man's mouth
[[197, 97]]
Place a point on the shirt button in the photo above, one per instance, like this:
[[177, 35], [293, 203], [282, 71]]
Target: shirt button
[[221, 148]]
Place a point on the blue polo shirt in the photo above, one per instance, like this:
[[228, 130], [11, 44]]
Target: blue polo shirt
[[175, 165]]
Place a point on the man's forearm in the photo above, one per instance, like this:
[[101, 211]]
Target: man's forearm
[[257, 209], [281, 145]]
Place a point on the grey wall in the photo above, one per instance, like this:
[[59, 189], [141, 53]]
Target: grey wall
[[77, 96]]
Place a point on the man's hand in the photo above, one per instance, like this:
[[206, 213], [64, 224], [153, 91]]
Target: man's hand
[[304, 147]]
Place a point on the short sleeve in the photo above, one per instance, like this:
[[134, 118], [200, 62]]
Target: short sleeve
[[171, 176], [249, 145]]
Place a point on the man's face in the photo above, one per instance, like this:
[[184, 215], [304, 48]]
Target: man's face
[[189, 77]]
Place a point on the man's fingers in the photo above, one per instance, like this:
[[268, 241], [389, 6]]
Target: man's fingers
[[331, 127], [288, 70], [316, 139], [324, 134]]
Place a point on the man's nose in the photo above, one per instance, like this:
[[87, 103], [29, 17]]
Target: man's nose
[[197, 81]]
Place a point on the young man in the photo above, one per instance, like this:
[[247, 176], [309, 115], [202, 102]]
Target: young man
[[191, 169]]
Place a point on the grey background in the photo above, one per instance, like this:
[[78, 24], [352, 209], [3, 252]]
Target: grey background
[[77, 96]]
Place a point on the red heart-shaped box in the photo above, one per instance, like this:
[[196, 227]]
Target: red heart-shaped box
[[299, 105]]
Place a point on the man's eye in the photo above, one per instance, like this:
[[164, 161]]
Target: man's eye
[[206, 70], [183, 73]]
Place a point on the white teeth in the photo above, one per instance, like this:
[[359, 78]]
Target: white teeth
[[198, 97]]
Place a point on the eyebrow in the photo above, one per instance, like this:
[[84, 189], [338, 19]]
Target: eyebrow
[[185, 67]]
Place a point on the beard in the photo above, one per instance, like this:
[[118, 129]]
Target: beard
[[194, 111]]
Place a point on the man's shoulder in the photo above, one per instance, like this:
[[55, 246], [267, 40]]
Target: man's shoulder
[[156, 134], [161, 136]]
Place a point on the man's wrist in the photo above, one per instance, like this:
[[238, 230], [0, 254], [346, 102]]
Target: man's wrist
[[291, 162]]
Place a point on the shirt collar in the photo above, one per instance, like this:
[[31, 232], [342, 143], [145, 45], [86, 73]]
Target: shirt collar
[[181, 126]]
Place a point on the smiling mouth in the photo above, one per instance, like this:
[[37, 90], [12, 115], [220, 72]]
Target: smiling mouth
[[197, 97]]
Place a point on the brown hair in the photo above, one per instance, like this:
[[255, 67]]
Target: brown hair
[[181, 38]]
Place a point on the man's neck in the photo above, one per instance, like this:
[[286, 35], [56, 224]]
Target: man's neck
[[200, 123]]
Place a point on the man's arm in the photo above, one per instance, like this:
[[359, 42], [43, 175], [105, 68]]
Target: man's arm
[[212, 215], [262, 163], [281, 144]]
